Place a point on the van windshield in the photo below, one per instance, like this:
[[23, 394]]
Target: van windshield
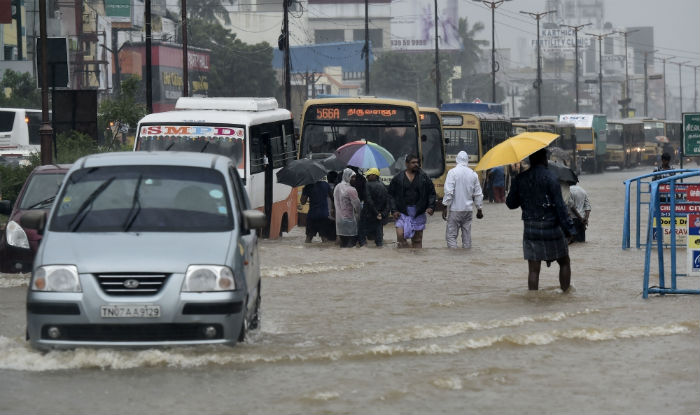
[[41, 189], [143, 199]]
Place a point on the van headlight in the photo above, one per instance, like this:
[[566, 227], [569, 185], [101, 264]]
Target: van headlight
[[15, 235], [60, 278], [199, 278]]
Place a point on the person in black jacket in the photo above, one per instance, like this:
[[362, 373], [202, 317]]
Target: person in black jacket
[[412, 195], [538, 193], [374, 210]]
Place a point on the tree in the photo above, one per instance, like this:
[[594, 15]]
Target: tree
[[124, 110], [410, 76], [470, 55], [558, 97], [237, 68], [20, 90], [209, 10]]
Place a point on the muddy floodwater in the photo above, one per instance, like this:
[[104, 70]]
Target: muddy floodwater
[[400, 331]]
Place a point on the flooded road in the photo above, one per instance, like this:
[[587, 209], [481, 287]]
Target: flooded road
[[383, 330]]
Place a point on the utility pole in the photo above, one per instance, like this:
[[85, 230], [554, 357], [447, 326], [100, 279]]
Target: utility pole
[[627, 77], [18, 17], [600, 66], [646, 86], [438, 102], [287, 63], [185, 61], [149, 69], [695, 89], [366, 49], [576, 30], [494, 66], [680, 83], [664, 60], [538, 83], [45, 131]]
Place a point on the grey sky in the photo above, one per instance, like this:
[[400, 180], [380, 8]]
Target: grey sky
[[676, 24]]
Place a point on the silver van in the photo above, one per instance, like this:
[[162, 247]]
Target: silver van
[[144, 249]]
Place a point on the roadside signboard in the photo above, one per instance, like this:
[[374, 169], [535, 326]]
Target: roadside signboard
[[687, 196], [691, 134]]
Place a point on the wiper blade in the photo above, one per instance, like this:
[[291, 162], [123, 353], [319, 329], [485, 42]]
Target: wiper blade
[[83, 209], [169, 146], [43, 202], [135, 206], [204, 147]]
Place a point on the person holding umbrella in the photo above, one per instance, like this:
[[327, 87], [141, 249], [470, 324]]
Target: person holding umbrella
[[374, 210], [412, 195], [317, 220], [546, 221]]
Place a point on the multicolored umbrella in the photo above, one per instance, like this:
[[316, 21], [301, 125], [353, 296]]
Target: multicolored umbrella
[[364, 154]]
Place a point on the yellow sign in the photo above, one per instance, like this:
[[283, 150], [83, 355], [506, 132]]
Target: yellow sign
[[681, 230]]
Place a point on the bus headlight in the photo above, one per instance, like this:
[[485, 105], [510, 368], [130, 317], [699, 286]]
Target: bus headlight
[[203, 278], [15, 235]]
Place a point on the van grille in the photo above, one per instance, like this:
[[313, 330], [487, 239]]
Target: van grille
[[131, 284]]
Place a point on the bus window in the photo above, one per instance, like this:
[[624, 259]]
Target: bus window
[[7, 120], [584, 136], [462, 140]]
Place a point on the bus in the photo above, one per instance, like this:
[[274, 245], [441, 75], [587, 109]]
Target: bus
[[433, 148], [591, 139], [19, 132], [254, 132], [475, 132], [328, 123], [563, 148], [625, 143]]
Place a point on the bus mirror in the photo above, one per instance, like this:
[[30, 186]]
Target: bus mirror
[[423, 138], [447, 140]]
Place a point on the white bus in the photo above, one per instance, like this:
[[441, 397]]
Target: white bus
[[254, 132], [19, 132]]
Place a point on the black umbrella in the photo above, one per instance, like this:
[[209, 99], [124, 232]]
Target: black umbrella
[[563, 172], [333, 163], [301, 172]]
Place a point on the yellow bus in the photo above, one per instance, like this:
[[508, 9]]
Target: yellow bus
[[474, 132], [433, 148]]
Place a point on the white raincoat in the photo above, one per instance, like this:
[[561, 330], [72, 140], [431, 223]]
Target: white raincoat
[[347, 206], [462, 188]]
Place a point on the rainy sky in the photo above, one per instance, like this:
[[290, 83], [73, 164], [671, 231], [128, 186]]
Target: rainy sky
[[676, 24]]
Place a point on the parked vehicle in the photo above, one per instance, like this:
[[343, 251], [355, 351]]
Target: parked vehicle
[[17, 244], [146, 249], [19, 131]]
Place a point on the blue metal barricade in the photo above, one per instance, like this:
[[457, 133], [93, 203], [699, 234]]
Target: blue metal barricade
[[654, 225]]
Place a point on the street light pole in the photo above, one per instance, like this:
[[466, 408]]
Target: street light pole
[[493, 5], [664, 60], [627, 77], [695, 89], [366, 48], [149, 69], [680, 83], [576, 30], [45, 131], [185, 61], [538, 83], [600, 67]]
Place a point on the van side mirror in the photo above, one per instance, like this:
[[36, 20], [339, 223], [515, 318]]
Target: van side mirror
[[34, 219], [5, 207], [254, 219]]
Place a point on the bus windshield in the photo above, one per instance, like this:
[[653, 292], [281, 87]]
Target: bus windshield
[[226, 140], [458, 140], [652, 130], [615, 134], [584, 135]]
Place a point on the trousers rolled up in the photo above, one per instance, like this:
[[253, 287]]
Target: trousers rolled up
[[456, 221]]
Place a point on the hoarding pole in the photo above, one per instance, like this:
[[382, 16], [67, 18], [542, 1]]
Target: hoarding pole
[[366, 50], [185, 65], [149, 70], [45, 131], [438, 102], [287, 63]]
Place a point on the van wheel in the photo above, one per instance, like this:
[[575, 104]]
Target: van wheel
[[255, 320]]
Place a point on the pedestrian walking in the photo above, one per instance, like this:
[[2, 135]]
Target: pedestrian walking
[[317, 220], [462, 193], [375, 209], [665, 165], [546, 221], [580, 209], [498, 184], [412, 195], [347, 210]]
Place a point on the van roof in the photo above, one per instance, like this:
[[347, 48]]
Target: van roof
[[217, 116], [160, 158]]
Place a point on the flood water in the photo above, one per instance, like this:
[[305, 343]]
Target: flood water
[[403, 331]]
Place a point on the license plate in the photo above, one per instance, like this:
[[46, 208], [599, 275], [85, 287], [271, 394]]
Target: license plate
[[130, 311]]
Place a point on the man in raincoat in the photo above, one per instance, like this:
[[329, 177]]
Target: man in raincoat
[[462, 193], [412, 195], [347, 210]]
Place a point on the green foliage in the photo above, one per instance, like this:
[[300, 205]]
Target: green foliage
[[237, 69], [557, 98], [12, 177], [122, 109], [23, 92], [209, 11], [409, 76], [470, 54], [477, 85]]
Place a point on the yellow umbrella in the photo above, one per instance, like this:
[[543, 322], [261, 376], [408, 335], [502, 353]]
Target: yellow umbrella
[[515, 149]]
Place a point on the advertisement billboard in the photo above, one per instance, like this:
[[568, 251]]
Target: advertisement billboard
[[413, 25]]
